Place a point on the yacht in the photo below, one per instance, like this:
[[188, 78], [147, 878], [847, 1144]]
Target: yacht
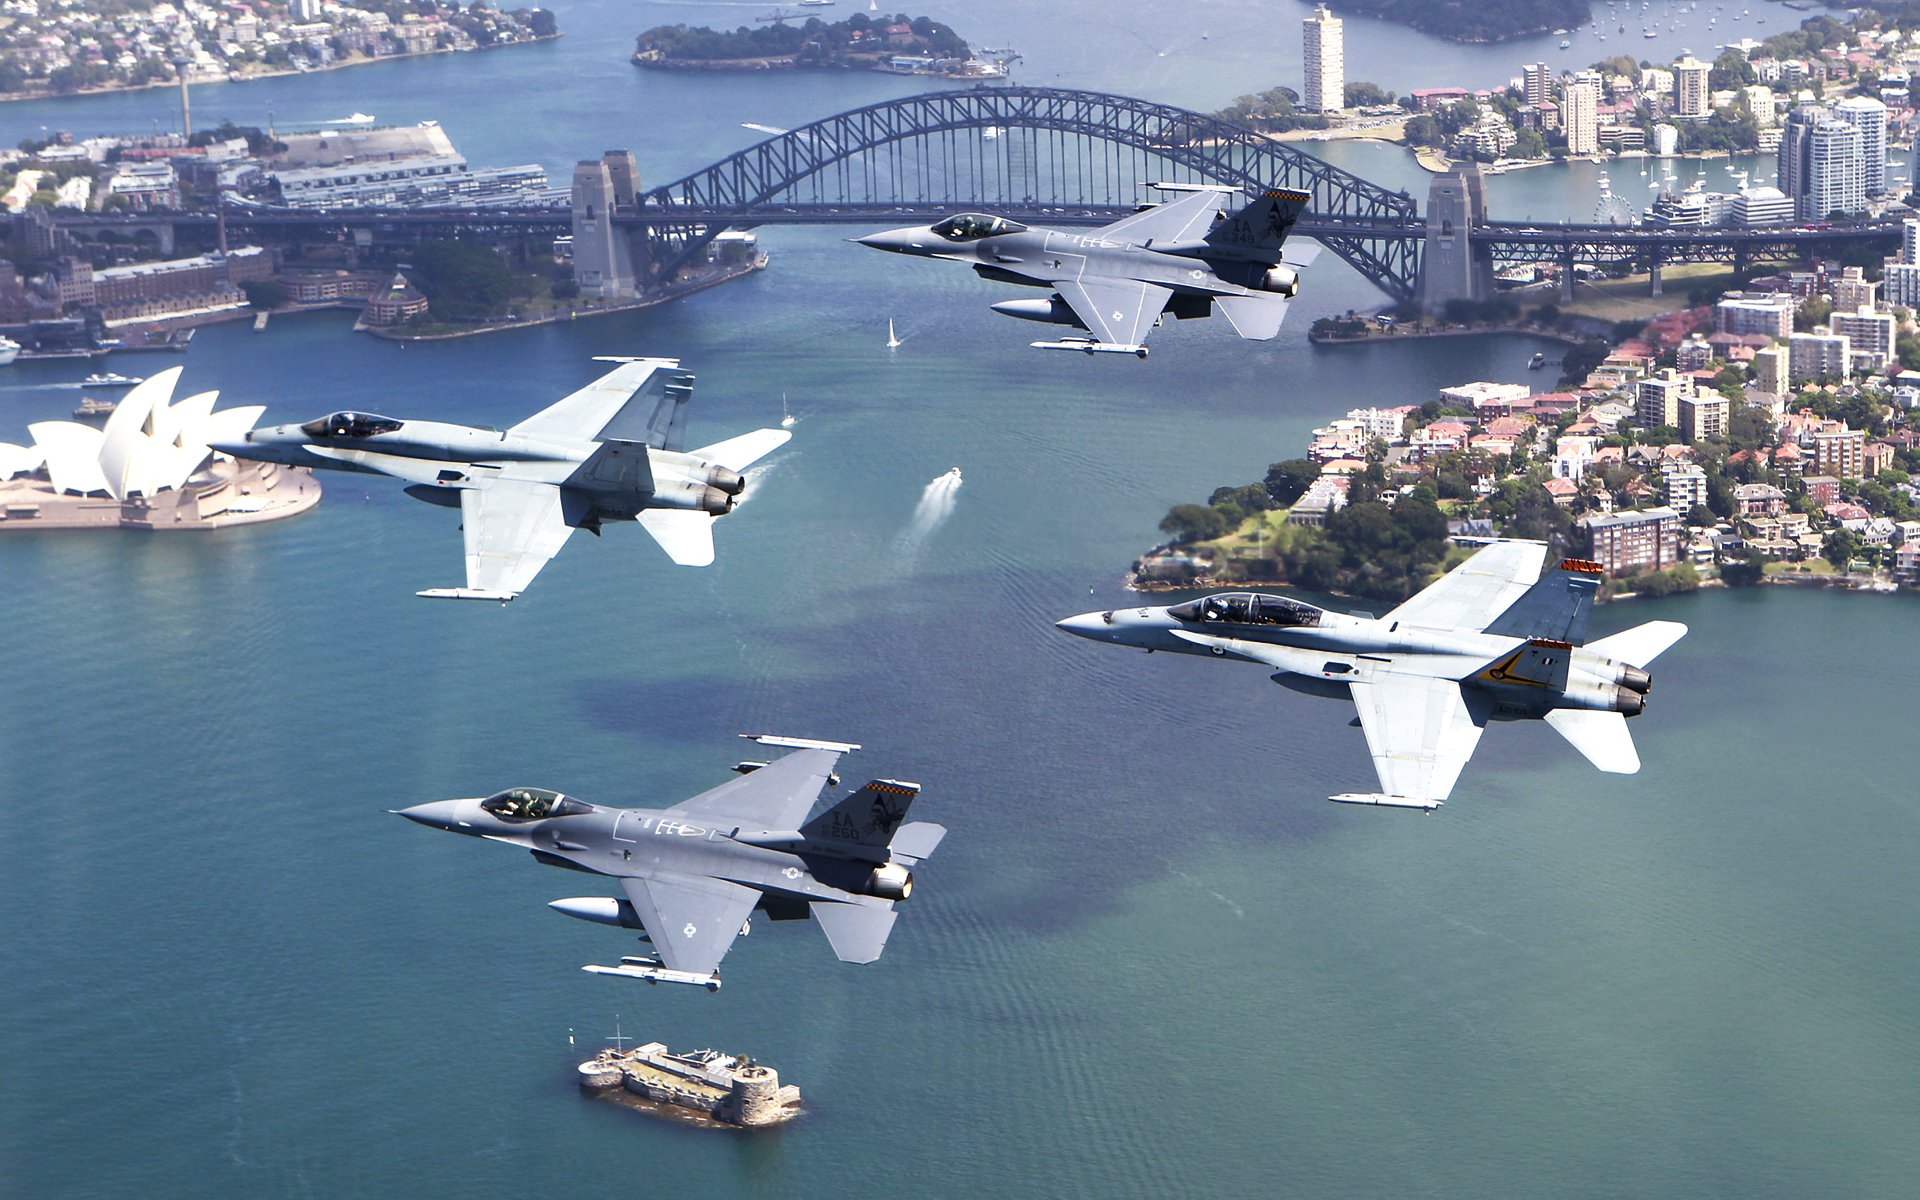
[[1536, 362], [108, 380], [9, 350]]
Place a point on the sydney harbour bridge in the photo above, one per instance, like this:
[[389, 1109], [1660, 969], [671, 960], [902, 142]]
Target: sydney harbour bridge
[[1062, 157]]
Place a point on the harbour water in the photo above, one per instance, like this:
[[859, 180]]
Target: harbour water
[[1149, 959]]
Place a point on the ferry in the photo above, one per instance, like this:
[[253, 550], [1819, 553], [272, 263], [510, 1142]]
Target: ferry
[[93, 406], [108, 380]]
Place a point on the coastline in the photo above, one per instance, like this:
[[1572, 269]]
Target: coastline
[[116, 88], [1396, 334]]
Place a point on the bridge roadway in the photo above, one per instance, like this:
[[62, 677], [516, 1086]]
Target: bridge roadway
[[1505, 241]]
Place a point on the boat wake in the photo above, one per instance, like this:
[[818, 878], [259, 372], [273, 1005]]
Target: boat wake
[[937, 501]]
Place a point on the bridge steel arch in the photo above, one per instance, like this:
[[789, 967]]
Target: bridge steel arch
[[761, 175]]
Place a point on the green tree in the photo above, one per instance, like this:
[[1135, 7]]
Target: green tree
[[265, 293], [1839, 547], [1288, 480], [1194, 523]]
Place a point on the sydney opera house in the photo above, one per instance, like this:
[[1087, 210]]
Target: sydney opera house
[[149, 468]]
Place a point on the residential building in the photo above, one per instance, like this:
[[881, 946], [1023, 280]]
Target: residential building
[[1760, 206], [1538, 83], [1760, 102], [1840, 453], [1692, 354], [1657, 399], [1770, 371], [1822, 489], [1769, 313], [1666, 140], [1854, 291], [1483, 396], [1870, 336], [1868, 117], [1636, 540], [1796, 137], [1900, 276], [1324, 45], [398, 302], [1836, 179], [1821, 354], [1691, 100], [1703, 415], [1759, 500], [1685, 485], [1580, 111]]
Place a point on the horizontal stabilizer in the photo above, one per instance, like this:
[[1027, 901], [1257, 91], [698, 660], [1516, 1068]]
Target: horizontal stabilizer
[[1602, 736], [1641, 644], [685, 535], [1382, 800], [915, 841], [739, 453], [466, 594], [857, 932], [1255, 318]]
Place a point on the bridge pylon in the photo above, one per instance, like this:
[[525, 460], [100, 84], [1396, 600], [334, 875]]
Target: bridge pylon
[[1453, 267]]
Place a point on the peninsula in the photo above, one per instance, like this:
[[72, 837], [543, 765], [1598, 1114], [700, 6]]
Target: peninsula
[[136, 44]]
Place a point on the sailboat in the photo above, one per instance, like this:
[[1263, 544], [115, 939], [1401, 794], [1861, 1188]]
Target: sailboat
[[892, 339], [786, 418]]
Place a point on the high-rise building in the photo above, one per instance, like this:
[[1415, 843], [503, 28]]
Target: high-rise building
[[1900, 276], [1853, 291], [1760, 206], [1685, 485], [1840, 453], [1760, 102], [1869, 117], [1870, 336], [1770, 313], [1692, 99], [1657, 399], [1580, 111], [1324, 44], [1836, 182], [1770, 371], [1702, 415], [1796, 137], [1821, 354], [1538, 79]]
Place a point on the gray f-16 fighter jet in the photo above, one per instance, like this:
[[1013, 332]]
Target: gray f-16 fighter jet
[[691, 875], [1492, 640], [1116, 282], [609, 452]]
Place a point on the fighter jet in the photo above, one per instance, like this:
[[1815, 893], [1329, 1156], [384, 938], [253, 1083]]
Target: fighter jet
[[594, 457], [1117, 282], [1492, 640], [692, 875]]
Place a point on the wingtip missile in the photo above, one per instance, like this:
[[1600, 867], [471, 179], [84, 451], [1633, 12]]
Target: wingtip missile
[[1089, 346], [652, 972], [1382, 800]]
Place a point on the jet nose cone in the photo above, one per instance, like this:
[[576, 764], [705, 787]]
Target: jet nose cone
[[437, 814], [900, 241], [230, 449], [1097, 625]]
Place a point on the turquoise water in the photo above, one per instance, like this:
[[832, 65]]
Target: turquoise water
[[1149, 960]]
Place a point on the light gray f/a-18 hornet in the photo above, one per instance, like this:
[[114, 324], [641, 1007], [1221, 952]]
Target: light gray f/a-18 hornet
[[1116, 282], [692, 875], [1492, 640], [609, 452]]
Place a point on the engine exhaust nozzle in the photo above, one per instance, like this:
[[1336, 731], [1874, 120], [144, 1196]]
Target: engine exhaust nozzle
[[1630, 702]]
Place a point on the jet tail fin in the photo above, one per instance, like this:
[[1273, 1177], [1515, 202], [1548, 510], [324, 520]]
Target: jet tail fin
[[1257, 231], [1641, 644], [857, 932], [869, 818], [1602, 736], [1556, 607]]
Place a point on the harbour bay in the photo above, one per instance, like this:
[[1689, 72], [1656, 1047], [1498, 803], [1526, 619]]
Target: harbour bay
[[1149, 960]]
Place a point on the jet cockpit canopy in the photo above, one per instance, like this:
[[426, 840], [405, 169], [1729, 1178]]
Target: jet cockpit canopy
[[968, 227], [532, 804], [350, 425], [1248, 608]]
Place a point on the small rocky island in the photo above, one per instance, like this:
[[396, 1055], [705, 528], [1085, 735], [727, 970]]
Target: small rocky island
[[899, 44], [723, 1089]]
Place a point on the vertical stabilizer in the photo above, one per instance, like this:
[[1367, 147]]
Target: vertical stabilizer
[[868, 817], [1556, 607], [1258, 230]]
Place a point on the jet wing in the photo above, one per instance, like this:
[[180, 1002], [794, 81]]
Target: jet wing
[[1471, 595], [512, 528], [692, 920], [1119, 311], [1182, 220], [637, 401], [777, 796], [1421, 732]]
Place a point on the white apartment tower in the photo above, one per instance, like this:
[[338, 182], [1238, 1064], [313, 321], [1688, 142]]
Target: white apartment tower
[[1835, 178], [1692, 99], [1324, 45], [1900, 277], [1869, 117], [1580, 113]]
